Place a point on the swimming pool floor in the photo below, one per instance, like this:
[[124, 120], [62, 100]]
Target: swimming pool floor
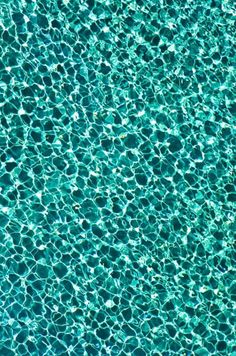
[[117, 178]]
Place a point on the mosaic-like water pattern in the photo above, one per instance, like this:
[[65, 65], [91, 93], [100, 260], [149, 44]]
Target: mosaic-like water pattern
[[117, 179]]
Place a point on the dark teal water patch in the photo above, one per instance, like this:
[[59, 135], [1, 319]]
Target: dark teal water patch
[[117, 179]]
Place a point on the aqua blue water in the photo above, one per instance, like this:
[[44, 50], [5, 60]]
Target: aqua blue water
[[117, 178]]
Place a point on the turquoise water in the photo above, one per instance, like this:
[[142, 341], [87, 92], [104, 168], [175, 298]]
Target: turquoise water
[[117, 179]]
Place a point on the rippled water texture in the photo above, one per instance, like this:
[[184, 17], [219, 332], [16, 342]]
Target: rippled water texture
[[117, 178]]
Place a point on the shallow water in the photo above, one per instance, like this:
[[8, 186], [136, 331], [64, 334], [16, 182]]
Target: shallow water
[[117, 179]]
